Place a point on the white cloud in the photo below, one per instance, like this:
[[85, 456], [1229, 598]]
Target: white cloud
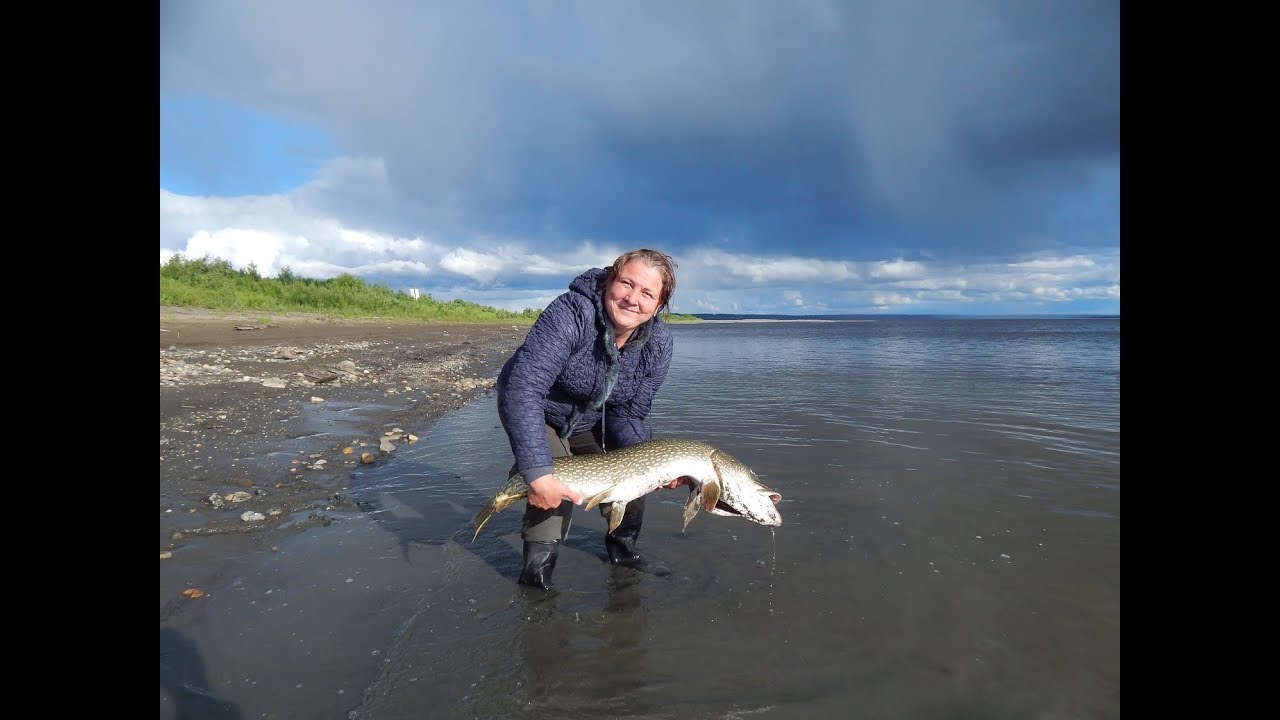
[[238, 246], [896, 269], [758, 270], [481, 267], [274, 232]]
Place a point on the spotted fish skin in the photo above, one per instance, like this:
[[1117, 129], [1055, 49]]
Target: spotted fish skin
[[718, 482]]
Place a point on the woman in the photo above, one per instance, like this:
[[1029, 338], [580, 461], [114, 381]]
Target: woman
[[583, 381]]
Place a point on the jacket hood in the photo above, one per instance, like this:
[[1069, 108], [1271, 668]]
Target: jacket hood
[[588, 283]]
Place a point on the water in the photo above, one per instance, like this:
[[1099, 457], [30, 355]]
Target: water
[[950, 549]]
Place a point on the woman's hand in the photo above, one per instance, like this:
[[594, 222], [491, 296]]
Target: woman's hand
[[548, 491]]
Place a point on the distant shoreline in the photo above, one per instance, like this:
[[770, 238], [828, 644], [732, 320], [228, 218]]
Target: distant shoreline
[[838, 319], [777, 320]]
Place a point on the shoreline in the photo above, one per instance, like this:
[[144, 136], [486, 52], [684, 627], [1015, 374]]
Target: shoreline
[[263, 416], [783, 320]]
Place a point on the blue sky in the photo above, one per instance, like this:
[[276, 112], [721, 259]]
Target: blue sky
[[806, 157]]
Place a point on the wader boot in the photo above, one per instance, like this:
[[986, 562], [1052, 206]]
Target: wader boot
[[539, 561], [621, 543]]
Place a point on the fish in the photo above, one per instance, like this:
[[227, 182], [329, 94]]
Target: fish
[[718, 483]]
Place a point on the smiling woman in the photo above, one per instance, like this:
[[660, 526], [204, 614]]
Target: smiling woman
[[583, 382], [212, 147]]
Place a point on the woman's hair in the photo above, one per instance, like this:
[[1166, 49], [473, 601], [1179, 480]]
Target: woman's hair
[[662, 262]]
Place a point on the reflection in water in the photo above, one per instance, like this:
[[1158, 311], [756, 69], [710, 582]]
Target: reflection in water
[[577, 659], [184, 684], [622, 649]]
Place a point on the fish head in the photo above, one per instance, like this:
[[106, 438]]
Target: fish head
[[742, 494]]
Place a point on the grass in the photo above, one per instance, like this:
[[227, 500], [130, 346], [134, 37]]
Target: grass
[[213, 284]]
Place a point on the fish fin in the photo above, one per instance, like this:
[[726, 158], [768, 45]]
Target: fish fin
[[498, 504], [615, 515], [595, 500], [709, 499], [709, 495], [690, 509], [482, 517]]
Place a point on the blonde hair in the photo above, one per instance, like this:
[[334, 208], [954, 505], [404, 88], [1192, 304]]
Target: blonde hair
[[660, 261]]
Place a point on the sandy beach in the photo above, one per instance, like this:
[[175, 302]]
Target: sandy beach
[[263, 416]]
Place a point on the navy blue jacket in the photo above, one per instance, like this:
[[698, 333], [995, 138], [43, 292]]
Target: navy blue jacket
[[570, 367]]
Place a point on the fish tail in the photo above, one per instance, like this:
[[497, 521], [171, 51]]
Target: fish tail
[[482, 517], [499, 503]]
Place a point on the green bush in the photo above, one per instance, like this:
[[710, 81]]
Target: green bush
[[212, 283]]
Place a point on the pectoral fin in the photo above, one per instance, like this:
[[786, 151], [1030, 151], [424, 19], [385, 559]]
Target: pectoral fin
[[690, 508], [596, 499], [709, 495]]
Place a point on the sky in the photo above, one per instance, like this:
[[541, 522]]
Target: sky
[[796, 158]]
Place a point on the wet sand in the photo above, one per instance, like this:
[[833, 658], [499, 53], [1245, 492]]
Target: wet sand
[[264, 416]]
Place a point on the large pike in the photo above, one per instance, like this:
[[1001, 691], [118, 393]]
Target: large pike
[[718, 482]]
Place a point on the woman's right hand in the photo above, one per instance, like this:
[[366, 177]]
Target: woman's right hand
[[548, 491]]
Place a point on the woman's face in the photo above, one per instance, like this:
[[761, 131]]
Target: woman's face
[[632, 298]]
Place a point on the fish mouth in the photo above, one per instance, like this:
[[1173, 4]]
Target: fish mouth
[[722, 505], [726, 509]]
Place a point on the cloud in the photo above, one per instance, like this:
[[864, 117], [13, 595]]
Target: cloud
[[918, 155]]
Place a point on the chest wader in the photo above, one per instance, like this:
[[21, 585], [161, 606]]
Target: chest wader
[[543, 530], [621, 543], [540, 527], [539, 561]]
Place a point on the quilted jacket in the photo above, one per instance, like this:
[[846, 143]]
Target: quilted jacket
[[569, 369]]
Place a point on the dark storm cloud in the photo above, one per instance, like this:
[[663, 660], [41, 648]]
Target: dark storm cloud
[[939, 127], [844, 153]]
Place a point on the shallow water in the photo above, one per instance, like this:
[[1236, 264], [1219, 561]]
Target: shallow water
[[950, 549]]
